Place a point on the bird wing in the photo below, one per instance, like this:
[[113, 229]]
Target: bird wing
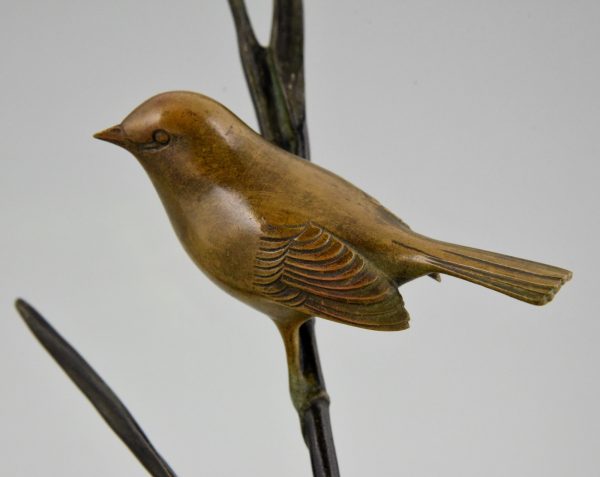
[[308, 268]]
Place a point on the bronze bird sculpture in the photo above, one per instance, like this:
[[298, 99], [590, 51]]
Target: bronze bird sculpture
[[290, 238]]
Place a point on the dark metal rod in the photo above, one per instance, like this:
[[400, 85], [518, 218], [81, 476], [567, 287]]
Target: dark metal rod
[[275, 77], [106, 402], [315, 421]]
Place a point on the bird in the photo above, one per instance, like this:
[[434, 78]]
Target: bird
[[288, 237]]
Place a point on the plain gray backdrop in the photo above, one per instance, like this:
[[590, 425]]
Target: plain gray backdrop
[[476, 122]]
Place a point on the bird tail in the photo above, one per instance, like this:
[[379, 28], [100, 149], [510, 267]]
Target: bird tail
[[528, 281]]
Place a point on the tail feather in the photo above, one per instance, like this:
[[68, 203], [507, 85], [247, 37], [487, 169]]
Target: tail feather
[[532, 282]]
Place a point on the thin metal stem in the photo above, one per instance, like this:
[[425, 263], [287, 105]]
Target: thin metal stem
[[275, 77], [275, 74], [106, 402]]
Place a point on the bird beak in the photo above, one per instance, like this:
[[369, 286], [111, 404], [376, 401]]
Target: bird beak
[[116, 135]]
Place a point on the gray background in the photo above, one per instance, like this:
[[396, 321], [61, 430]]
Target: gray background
[[477, 122]]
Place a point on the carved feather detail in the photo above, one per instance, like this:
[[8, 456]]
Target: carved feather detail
[[308, 268]]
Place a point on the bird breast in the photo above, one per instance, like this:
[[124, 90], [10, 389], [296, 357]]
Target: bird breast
[[220, 232]]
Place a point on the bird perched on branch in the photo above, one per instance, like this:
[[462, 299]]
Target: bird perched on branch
[[288, 237]]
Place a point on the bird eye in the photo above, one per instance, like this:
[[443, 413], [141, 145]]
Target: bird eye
[[161, 137]]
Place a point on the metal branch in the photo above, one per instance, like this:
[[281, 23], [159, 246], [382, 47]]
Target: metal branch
[[315, 421], [106, 402], [275, 76]]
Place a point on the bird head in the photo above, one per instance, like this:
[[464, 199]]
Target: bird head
[[168, 126]]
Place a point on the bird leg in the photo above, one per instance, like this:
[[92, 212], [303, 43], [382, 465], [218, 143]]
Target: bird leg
[[309, 396], [306, 384]]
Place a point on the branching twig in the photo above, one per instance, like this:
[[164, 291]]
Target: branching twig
[[275, 76], [96, 390]]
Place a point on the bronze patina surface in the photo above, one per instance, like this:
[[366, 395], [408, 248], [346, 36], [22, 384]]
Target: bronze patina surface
[[288, 237]]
